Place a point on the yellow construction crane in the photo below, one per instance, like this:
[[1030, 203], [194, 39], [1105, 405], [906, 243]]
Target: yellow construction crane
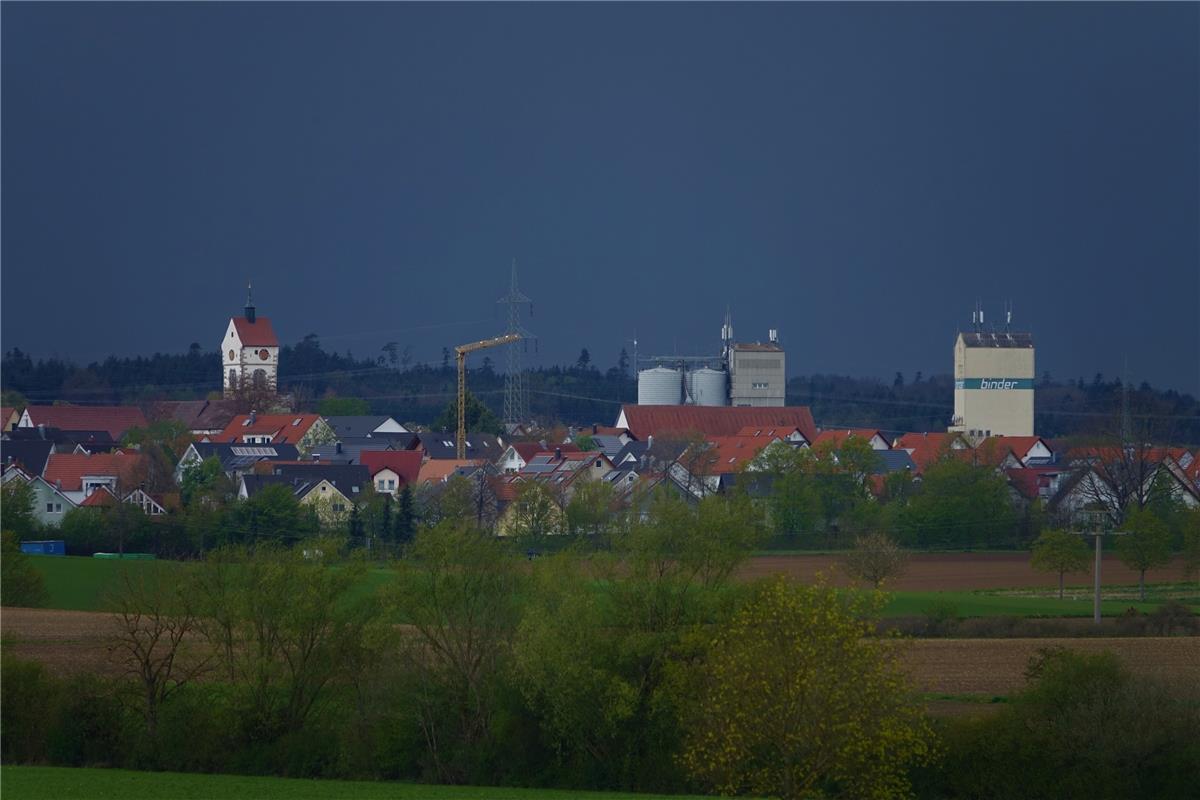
[[460, 356]]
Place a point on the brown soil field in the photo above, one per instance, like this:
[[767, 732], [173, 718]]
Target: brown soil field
[[954, 571], [66, 642], [997, 666]]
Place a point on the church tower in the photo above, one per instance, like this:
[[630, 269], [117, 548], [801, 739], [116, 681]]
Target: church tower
[[249, 352]]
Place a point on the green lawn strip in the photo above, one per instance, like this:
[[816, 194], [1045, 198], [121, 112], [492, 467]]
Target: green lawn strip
[[77, 583], [987, 604], [64, 783]]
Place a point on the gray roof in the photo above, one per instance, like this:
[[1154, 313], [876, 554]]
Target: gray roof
[[894, 461], [635, 449], [31, 454], [997, 339], [479, 445], [608, 444], [349, 479], [355, 426], [235, 456]]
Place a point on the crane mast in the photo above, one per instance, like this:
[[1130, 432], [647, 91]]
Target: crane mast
[[460, 356]]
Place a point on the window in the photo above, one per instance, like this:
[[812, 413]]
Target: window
[[379, 485], [759, 385], [338, 508], [391, 483]]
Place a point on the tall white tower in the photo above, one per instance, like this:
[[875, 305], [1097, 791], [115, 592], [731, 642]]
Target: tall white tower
[[993, 381], [249, 351]]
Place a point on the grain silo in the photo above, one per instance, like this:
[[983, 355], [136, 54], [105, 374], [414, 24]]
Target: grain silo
[[660, 386], [708, 387]]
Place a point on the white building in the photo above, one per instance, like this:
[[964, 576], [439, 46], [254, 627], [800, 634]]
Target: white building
[[993, 384], [250, 352]]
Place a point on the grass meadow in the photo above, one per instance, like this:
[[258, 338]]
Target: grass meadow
[[68, 783], [81, 584]]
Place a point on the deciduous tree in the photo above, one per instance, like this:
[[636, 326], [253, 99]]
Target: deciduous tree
[[874, 558], [796, 694], [1147, 545], [1061, 552]]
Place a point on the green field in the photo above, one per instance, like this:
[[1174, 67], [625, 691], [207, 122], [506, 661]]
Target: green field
[[80, 584], [996, 604], [76, 583], [61, 783]]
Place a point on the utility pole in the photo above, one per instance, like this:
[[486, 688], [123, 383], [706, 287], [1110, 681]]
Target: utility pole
[[516, 392], [1099, 523]]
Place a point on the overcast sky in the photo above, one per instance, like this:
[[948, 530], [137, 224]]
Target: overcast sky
[[855, 175]]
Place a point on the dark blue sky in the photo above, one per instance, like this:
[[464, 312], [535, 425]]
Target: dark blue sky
[[855, 175]]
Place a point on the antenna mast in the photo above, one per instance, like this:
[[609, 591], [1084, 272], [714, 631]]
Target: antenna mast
[[516, 389]]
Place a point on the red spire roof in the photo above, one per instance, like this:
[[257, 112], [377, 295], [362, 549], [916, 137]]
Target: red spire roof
[[255, 334]]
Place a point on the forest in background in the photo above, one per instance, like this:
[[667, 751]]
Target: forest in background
[[581, 393]]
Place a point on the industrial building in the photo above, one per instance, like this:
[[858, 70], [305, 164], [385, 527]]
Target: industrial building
[[993, 382], [747, 374]]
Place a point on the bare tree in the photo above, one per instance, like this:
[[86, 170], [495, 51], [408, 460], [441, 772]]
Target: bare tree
[[874, 559], [155, 617]]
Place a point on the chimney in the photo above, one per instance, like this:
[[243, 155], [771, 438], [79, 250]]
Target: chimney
[[595, 428], [41, 430], [253, 417], [316, 456], [339, 448], [558, 453]]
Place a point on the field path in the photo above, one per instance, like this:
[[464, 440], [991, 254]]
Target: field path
[[954, 571]]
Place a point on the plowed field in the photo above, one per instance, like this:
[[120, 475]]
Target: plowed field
[[997, 666], [954, 571]]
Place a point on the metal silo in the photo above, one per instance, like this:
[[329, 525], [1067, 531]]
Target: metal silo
[[709, 387], [660, 387]]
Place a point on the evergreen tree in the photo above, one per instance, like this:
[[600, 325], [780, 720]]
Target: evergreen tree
[[405, 521]]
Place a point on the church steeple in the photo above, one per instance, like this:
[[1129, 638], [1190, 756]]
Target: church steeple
[[249, 303]]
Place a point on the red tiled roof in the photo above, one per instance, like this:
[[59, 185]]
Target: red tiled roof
[[646, 421], [6, 414], [405, 463], [986, 455], [731, 452], [1025, 481], [839, 437], [602, 430], [569, 454], [926, 448], [113, 419], [505, 487], [527, 450], [773, 432], [1020, 445], [255, 334], [71, 467], [439, 469], [282, 428], [101, 498]]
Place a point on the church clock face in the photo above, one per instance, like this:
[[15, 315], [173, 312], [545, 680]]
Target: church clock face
[[264, 354], [231, 355]]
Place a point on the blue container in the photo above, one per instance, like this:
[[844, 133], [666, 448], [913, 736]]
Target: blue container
[[48, 547]]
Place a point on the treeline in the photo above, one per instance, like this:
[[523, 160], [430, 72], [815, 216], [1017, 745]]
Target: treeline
[[643, 667], [580, 393]]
